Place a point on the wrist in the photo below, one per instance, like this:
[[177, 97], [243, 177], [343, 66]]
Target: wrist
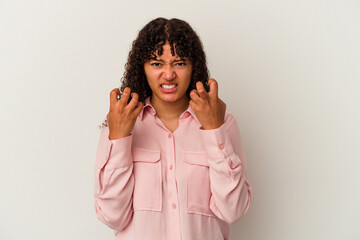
[[213, 126], [117, 136]]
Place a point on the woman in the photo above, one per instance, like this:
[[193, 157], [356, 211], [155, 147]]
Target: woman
[[170, 163]]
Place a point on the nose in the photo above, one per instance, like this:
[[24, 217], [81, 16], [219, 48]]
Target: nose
[[169, 73]]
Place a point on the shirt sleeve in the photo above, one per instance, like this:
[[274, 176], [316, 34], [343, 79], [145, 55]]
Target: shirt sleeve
[[230, 188], [114, 181]]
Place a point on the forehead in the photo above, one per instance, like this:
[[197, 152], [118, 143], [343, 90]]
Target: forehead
[[165, 51]]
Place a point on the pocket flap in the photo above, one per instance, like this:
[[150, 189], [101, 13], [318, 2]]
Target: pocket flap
[[196, 158], [145, 155]]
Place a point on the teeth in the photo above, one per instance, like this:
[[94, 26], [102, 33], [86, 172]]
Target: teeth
[[168, 86]]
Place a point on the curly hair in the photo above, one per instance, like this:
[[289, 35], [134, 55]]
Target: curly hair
[[150, 40]]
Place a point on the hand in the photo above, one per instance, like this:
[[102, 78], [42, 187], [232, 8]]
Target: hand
[[122, 115], [208, 107]]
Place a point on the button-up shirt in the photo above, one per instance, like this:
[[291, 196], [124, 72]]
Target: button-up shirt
[[190, 184]]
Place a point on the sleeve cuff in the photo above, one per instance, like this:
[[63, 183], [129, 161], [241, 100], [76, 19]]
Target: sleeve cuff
[[217, 142], [115, 153]]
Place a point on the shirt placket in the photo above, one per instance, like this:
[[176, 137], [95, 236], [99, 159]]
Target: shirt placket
[[172, 191]]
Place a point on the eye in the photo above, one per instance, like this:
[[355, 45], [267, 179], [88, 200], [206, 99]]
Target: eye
[[181, 64], [156, 64]]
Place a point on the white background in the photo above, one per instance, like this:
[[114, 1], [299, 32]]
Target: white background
[[288, 70]]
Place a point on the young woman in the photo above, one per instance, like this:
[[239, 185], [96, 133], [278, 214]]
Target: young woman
[[170, 163]]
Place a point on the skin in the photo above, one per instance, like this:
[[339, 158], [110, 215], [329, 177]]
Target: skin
[[208, 107], [122, 116], [172, 70]]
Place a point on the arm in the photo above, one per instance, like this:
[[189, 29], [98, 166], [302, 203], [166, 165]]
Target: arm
[[231, 191], [114, 181]]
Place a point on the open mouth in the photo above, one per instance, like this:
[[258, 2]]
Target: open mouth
[[169, 86], [165, 88]]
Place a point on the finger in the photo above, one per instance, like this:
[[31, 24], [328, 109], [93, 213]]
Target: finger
[[138, 108], [125, 96], [222, 103], [201, 90], [213, 93], [194, 95], [113, 97], [134, 100], [192, 104]]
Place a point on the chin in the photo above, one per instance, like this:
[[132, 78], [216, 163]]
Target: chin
[[169, 97]]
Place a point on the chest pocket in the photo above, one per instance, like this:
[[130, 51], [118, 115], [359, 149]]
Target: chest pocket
[[147, 174], [197, 183]]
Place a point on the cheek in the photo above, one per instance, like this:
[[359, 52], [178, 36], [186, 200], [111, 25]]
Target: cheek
[[185, 74], [152, 77], [188, 76], [189, 72]]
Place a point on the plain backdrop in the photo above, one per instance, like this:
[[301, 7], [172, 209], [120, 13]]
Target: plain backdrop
[[288, 70]]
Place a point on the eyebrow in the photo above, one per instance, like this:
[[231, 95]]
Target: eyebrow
[[178, 60]]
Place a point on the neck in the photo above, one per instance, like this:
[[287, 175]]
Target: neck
[[169, 110]]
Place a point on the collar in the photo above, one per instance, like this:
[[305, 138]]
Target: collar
[[148, 108]]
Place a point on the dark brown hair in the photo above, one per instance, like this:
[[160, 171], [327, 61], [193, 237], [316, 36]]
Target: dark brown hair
[[150, 40]]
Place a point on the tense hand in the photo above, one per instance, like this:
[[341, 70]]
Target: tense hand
[[122, 115], [208, 107]]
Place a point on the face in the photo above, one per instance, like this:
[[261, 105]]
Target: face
[[168, 77]]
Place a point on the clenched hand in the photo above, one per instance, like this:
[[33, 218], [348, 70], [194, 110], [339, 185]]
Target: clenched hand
[[208, 107], [122, 115]]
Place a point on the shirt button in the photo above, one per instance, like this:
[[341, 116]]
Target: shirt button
[[170, 167], [173, 205], [221, 146], [169, 136]]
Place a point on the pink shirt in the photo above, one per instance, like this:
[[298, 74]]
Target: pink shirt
[[155, 184]]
